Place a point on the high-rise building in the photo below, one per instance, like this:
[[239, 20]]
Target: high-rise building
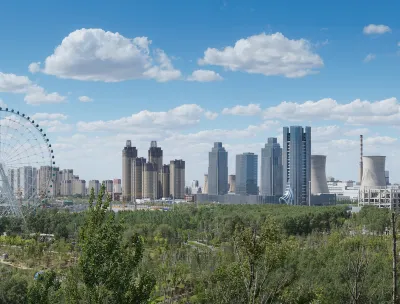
[[150, 177], [271, 168], [165, 179], [23, 182], [155, 155], [79, 187], [205, 188], [44, 181], [232, 183], [117, 185], [296, 161], [218, 170], [128, 154], [246, 174], [177, 178], [109, 186], [137, 178], [66, 187], [95, 184]]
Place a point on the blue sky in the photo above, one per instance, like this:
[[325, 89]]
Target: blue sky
[[294, 51]]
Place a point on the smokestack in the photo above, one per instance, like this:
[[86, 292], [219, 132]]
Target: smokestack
[[361, 159]]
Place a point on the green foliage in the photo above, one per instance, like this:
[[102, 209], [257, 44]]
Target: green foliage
[[108, 265], [44, 290], [206, 254]]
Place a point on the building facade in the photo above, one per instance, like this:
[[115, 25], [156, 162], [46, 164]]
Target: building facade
[[296, 161], [128, 154], [164, 181], [150, 178], [177, 179], [95, 184], [109, 185], [217, 170], [138, 164], [271, 168], [246, 174]]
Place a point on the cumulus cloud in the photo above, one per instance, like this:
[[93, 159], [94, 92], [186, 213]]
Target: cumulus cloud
[[268, 55], [34, 94], [55, 126], [356, 132], [211, 115], [357, 112], [249, 110], [34, 67], [376, 29], [97, 55], [3, 104], [184, 115], [85, 99], [369, 57], [204, 76], [49, 116]]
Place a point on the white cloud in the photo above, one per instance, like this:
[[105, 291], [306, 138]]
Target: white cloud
[[398, 43], [211, 115], [34, 94], [376, 29], [204, 76], [357, 112], [249, 110], [37, 95], [49, 116], [85, 99], [3, 104], [268, 55], [34, 67], [184, 115], [97, 55], [356, 132], [369, 57], [55, 126]]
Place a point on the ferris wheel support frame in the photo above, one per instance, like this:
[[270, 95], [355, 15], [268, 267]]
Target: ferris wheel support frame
[[14, 209]]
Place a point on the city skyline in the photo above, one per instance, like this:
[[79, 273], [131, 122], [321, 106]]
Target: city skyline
[[190, 86]]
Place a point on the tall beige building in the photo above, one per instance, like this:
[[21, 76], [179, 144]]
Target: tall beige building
[[150, 181], [95, 184], [164, 181], [79, 187], [232, 183], [44, 182], [177, 178], [137, 177], [109, 185], [129, 153], [66, 187], [205, 188]]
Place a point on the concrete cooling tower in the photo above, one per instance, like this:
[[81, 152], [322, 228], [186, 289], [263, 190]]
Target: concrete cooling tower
[[318, 175], [373, 172]]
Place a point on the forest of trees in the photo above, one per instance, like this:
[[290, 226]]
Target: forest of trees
[[198, 254]]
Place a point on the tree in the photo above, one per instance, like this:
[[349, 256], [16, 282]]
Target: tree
[[108, 265]]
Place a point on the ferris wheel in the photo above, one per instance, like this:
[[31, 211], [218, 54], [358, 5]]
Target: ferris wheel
[[26, 164]]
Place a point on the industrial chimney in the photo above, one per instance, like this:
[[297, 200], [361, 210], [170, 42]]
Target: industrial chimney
[[373, 172], [318, 175]]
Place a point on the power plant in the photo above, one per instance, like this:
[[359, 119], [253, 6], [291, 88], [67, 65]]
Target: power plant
[[373, 172], [318, 175]]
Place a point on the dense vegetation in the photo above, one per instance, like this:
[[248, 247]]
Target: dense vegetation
[[198, 254]]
